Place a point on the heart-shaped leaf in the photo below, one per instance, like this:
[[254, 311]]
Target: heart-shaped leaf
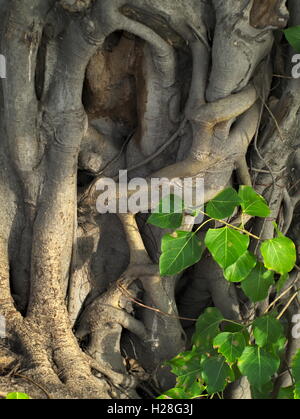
[[267, 330], [179, 251], [257, 284], [279, 254], [258, 365], [169, 213], [293, 36], [230, 345], [187, 367], [223, 205], [207, 327], [226, 245], [253, 203], [216, 374], [239, 270]]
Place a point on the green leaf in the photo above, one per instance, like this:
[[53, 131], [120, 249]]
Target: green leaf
[[293, 37], [267, 330], [226, 245], [216, 374], [281, 282], [286, 393], [179, 251], [256, 286], [264, 393], [187, 367], [236, 328], [278, 348], [16, 396], [239, 270], [253, 203], [230, 345], [223, 205], [207, 327], [297, 391], [174, 393], [296, 374], [196, 389], [279, 254], [169, 213], [258, 365], [296, 367]]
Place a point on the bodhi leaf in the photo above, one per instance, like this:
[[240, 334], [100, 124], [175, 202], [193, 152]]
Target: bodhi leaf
[[279, 254], [174, 393], [286, 393], [236, 328], [169, 213], [293, 37], [296, 367], [267, 330], [239, 270], [17, 396], [223, 205], [253, 203], [216, 374], [196, 389], [278, 348], [207, 327], [264, 393], [296, 375], [297, 391], [258, 365], [257, 284], [226, 245], [230, 345], [187, 367], [179, 251], [179, 393]]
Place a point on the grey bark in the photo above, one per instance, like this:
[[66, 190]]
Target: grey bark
[[69, 278]]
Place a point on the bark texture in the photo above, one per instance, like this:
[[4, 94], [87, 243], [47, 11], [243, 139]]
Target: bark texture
[[172, 88]]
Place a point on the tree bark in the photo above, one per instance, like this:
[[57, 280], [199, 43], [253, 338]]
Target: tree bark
[[174, 89]]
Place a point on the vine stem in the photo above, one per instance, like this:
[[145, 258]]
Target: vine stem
[[287, 305], [232, 226], [203, 224], [282, 295], [244, 326]]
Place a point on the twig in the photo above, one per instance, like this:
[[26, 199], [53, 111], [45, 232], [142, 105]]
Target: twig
[[34, 383], [283, 294], [266, 171], [136, 301], [232, 226], [287, 305], [273, 117], [282, 76], [129, 137], [160, 149]]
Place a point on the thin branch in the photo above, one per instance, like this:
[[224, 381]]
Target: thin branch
[[287, 305]]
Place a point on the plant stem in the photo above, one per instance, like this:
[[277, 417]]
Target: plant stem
[[232, 226]]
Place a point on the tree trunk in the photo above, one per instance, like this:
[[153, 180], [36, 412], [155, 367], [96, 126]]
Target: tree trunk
[[174, 89]]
